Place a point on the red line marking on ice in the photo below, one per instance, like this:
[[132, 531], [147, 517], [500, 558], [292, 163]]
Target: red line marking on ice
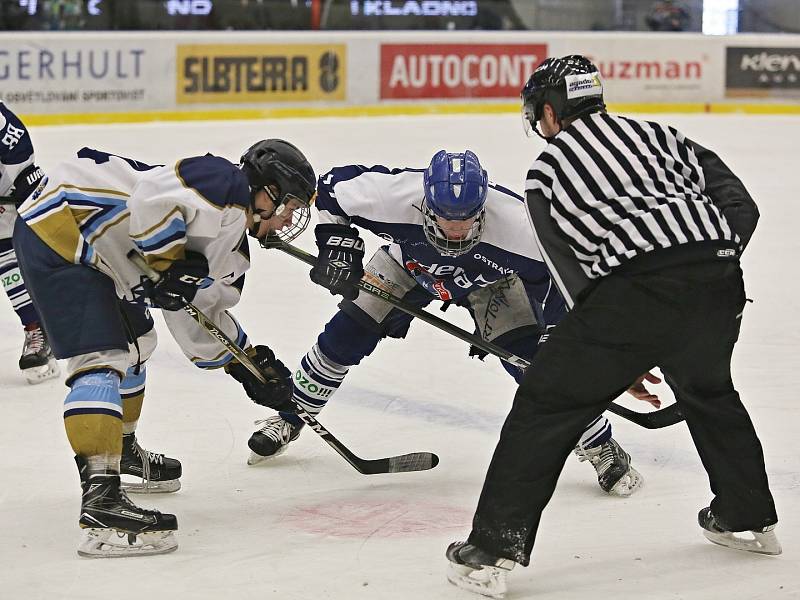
[[357, 519]]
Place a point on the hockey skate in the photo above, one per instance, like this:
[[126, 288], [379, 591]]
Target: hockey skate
[[114, 526], [762, 541], [37, 361], [474, 570], [272, 439], [613, 465], [154, 473]]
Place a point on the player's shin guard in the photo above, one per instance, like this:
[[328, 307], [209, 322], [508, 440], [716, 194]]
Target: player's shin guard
[[315, 381], [93, 414]]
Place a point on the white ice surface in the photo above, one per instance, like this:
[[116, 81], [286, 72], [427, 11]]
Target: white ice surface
[[307, 526]]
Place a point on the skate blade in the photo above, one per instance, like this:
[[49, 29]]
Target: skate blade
[[140, 486], [760, 543], [256, 458], [629, 483], [35, 375], [487, 581], [111, 543]]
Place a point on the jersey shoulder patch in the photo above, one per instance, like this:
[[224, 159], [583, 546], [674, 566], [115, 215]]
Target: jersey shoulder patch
[[218, 181]]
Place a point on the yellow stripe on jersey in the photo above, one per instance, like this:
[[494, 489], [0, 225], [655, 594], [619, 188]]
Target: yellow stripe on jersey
[[59, 230], [163, 260]]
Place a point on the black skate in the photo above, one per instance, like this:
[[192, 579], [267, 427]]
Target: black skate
[[762, 541], [613, 465], [114, 526], [472, 569], [272, 439], [155, 473], [37, 362]]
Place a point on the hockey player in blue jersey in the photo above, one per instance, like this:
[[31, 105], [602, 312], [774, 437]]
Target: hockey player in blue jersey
[[18, 176], [454, 237], [188, 220]]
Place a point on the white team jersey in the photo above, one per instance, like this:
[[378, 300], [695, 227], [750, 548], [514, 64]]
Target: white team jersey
[[96, 208], [388, 203]]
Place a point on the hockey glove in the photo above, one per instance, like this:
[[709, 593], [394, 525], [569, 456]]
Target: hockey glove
[[276, 393], [339, 266], [180, 282]]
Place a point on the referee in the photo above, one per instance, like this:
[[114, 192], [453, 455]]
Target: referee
[[642, 230]]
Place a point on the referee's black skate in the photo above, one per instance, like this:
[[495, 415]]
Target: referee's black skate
[[114, 526], [154, 472], [272, 439], [475, 570], [37, 362], [613, 465], [762, 540]]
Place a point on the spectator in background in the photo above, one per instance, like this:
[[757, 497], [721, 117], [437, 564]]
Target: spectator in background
[[64, 14], [667, 15]]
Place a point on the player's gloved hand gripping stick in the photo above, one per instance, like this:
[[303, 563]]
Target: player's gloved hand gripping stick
[[651, 420], [415, 461]]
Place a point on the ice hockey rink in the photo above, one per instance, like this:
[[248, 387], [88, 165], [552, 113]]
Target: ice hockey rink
[[306, 525]]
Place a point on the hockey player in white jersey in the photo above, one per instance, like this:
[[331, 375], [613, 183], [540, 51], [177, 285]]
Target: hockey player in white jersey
[[454, 237], [189, 221], [19, 175]]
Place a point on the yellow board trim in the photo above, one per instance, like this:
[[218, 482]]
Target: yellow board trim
[[388, 110]]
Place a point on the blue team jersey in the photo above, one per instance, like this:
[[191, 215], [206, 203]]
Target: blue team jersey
[[389, 204], [16, 149]]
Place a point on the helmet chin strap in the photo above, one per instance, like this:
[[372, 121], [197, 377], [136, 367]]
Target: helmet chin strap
[[253, 231]]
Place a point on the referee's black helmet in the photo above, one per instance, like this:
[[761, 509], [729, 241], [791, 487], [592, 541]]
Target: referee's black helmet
[[571, 85]]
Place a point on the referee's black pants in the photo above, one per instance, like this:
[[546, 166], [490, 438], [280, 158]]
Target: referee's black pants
[[683, 319]]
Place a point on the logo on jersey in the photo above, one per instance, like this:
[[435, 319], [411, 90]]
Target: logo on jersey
[[458, 274], [12, 136], [494, 265], [441, 291]]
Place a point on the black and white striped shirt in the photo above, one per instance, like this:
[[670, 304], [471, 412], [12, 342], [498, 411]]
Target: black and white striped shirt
[[619, 188]]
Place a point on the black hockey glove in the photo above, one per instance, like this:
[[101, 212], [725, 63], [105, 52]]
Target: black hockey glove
[[276, 393], [339, 266], [179, 284]]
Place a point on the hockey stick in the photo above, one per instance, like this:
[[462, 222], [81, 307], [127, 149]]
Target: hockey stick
[[651, 420], [415, 461]]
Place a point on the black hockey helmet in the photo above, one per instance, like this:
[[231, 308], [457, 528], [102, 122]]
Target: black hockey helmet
[[571, 85], [279, 163]]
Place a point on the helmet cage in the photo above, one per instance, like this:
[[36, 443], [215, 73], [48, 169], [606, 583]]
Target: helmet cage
[[439, 240], [301, 217]]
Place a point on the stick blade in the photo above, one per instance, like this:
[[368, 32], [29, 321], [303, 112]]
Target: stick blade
[[656, 419], [405, 463], [416, 461]]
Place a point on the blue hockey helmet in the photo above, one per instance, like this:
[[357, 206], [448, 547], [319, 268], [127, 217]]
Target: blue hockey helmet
[[455, 190]]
